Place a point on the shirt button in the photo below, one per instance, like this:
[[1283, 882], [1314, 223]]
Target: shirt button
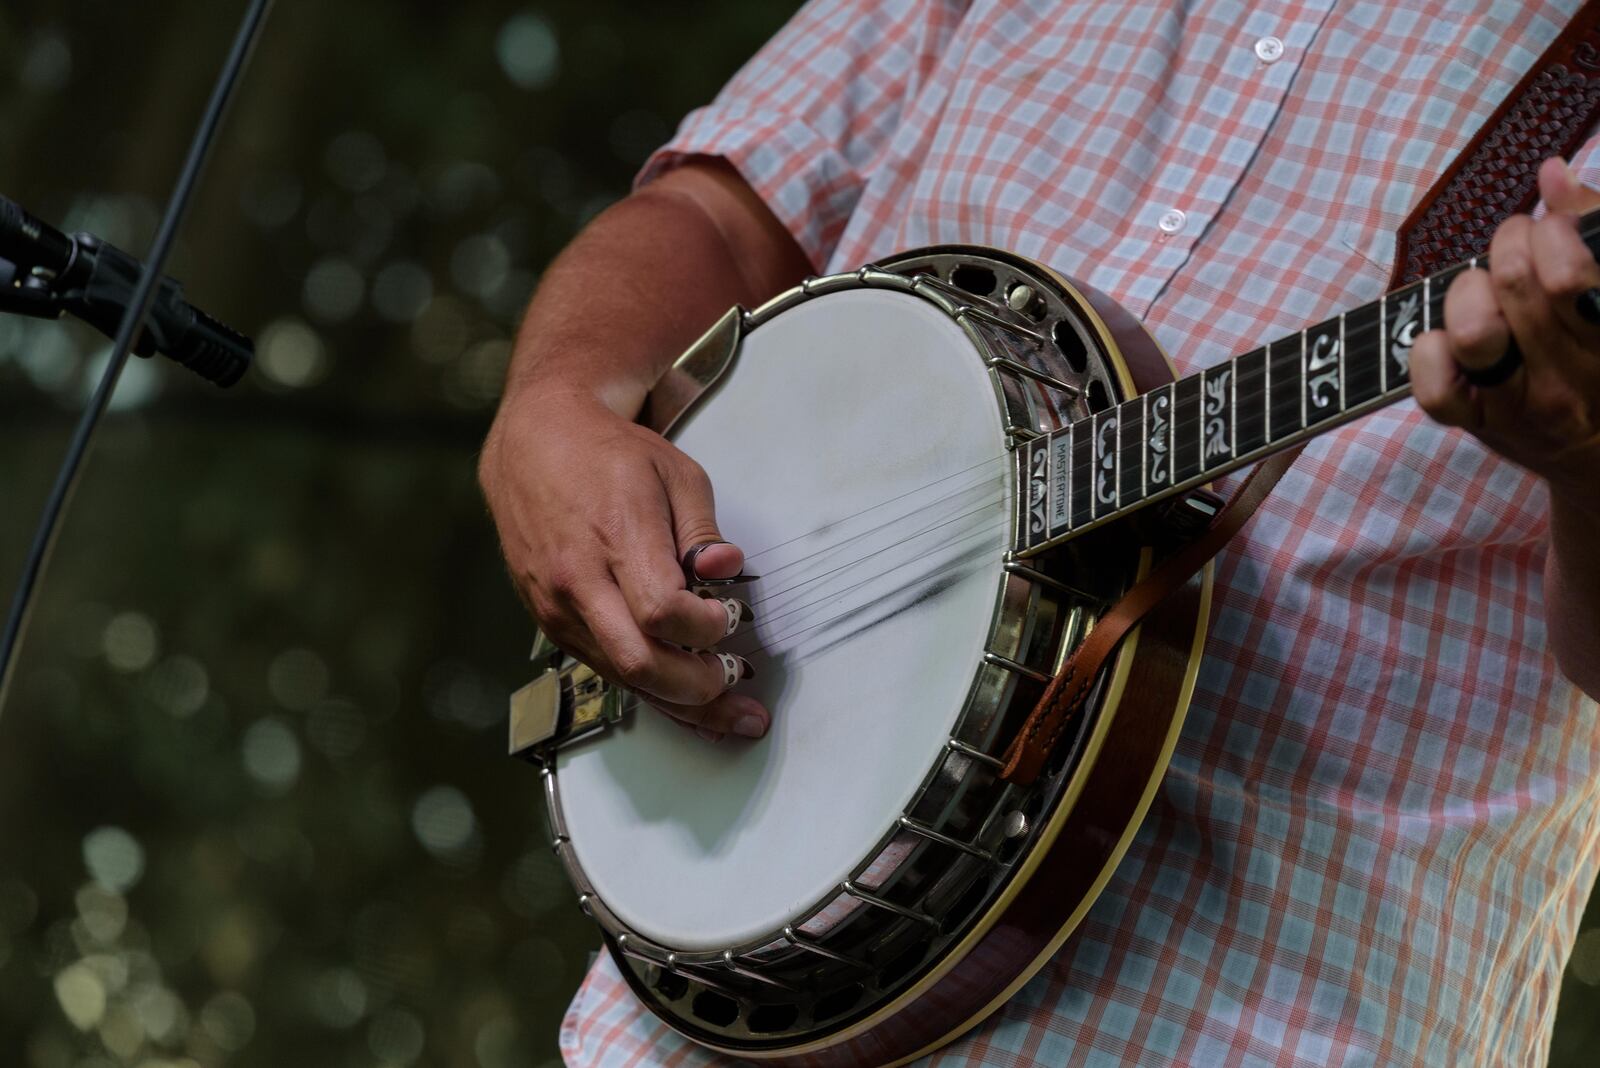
[[1269, 49], [1172, 221]]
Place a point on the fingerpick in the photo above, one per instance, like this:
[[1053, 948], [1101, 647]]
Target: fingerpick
[[738, 612], [689, 573], [734, 668]]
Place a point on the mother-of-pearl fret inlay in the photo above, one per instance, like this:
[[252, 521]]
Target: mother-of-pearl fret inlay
[[1216, 402], [1105, 464], [1159, 469], [1403, 326], [1322, 369], [1038, 491]]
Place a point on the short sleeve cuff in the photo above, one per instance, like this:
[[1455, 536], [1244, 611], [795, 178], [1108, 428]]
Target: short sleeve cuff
[[803, 177]]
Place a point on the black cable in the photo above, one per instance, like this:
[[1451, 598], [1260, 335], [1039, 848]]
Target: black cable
[[132, 320]]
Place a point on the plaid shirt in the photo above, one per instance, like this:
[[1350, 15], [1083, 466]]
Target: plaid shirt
[[1381, 821]]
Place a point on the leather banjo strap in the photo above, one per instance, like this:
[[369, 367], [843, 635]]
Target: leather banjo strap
[[1549, 113]]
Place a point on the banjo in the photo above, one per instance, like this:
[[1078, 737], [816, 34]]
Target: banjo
[[942, 468]]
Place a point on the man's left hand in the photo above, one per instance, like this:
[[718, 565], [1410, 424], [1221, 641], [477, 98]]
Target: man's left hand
[[1546, 415]]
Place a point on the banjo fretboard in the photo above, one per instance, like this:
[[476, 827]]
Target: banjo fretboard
[[1184, 434]]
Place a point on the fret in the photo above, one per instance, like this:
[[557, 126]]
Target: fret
[[1116, 457], [1233, 408], [1343, 351], [1250, 402], [1285, 396], [1186, 428], [1323, 349], [1103, 491], [1082, 471], [1266, 404], [1383, 343], [1302, 377], [1363, 356], [1404, 316], [1061, 481], [1158, 440], [1216, 414], [1144, 448], [1130, 452]]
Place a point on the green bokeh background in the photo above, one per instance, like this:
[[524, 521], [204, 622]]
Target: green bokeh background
[[254, 807]]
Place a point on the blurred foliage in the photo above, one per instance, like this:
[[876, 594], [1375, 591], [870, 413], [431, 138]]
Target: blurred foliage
[[254, 807]]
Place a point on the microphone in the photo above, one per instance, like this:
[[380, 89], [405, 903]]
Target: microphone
[[44, 273]]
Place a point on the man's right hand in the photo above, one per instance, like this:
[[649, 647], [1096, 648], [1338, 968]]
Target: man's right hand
[[595, 514]]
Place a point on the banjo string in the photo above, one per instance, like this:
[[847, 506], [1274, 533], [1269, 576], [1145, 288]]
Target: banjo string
[[982, 508], [991, 462], [792, 605], [772, 647], [828, 553]]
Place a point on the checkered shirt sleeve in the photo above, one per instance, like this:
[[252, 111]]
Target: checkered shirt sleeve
[[809, 119]]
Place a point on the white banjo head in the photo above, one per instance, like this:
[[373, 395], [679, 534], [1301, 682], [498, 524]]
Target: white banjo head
[[871, 613]]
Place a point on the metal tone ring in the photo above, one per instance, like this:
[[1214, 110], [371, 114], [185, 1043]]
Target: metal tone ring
[[1497, 372]]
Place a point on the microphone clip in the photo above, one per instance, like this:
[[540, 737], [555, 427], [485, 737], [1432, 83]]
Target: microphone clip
[[94, 281]]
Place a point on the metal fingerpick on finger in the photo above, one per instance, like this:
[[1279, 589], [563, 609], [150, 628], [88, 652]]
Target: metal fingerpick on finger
[[689, 572]]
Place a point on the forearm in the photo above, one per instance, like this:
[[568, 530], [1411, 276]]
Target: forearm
[[1572, 587], [644, 280]]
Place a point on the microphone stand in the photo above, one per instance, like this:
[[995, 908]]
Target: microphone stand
[[143, 295]]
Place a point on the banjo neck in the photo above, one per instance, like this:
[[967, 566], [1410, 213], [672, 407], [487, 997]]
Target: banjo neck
[[1166, 442]]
